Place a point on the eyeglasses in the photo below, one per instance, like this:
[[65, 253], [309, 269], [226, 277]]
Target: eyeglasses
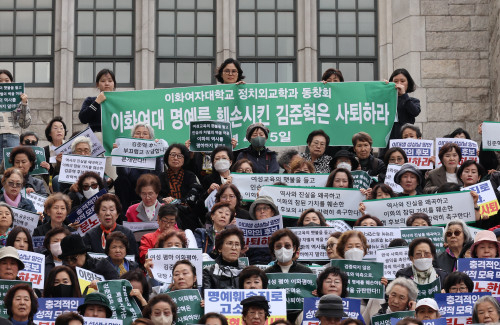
[[262, 209], [256, 313], [247, 171], [232, 244], [228, 197], [85, 151], [398, 159], [422, 255], [175, 155], [456, 233], [458, 289], [87, 186], [230, 71], [30, 143], [319, 144], [14, 185], [148, 195], [335, 282], [141, 134], [279, 246], [167, 222]]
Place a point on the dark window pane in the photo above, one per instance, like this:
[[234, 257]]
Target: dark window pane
[[265, 4], [85, 45], [346, 4], [285, 4], [24, 45], [266, 46], [24, 22], [285, 23], [104, 4], [185, 73], [327, 46], [248, 72], [85, 72], [7, 4], [347, 23], [24, 72], [104, 45], [122, 70], [203, 73], [286, 46], [25, 4], [166, 4], [326, 4], [366, 23], [185, 4], [327, 22], [246, 4], [42, 72], [285, 72], [204, 46], [366, 46], [366, 4], [124, 4], [366, 72], [348, 71]]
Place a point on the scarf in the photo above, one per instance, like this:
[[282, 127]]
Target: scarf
[[3, 238], [424, 277], [175, 183], [12, 203], [105, 233]]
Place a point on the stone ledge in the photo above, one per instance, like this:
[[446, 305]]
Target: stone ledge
[[447, 23]]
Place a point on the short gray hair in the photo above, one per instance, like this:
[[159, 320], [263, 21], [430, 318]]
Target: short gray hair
[[80, 139], [405, 283], [286, 157], [489, 299], [465, 229], [147, 126]]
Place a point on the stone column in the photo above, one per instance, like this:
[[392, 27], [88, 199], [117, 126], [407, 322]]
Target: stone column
[[385, 39], [145, 16], [226, 30], [307, 41]]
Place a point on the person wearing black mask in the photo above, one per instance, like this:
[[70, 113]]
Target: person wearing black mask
[[263, 159], [62, 283]]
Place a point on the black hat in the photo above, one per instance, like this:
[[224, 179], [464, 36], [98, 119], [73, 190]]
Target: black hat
[[256, 301], [96, 298], [408, 168], [346, 154], [330, 306], [72, 245]]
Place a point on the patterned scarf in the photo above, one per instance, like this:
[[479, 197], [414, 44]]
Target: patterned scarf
[[424, 277], [175, 182], [106, 233], [3, 238]]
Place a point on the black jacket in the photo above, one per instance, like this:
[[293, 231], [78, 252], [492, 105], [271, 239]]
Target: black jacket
[[222, 275], [45, 228], [90, 114], [100, 266], [187, 184], [407, 272], [295, 268], [264, 161], [93, 239], [408, 110], [373, 166]]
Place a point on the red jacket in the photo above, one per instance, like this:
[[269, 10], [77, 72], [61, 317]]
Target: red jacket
[[147, 241]]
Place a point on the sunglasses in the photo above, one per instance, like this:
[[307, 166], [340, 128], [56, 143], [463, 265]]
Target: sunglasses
[[456, 233], [30, 143], [93, 185]]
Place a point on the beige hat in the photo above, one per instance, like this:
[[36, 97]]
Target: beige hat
[[9, 251]]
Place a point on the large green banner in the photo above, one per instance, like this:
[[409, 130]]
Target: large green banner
[[290, 110]]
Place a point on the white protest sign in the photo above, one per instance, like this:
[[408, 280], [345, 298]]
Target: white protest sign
[[165, 258], [26, 219], [392, 169], [469, 149], [140, 163], [72, 166], [139, 148], [378, 238], [65, 148], [491, 136], [101, 321], [394, 259], [102, 255], [418, 151], [140, 226], [441, 208], [34, 268], [338, 225], [487, 201], [258, 232], [210, 200], [313, 242], [250, 184], [85, 214], [334, 203], [38, 200]]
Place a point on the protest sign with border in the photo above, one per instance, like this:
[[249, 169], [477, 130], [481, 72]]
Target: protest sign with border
[[469, 149], [188, 301], [121, 302], [491, 136], [435, 234], [85, 214], [85, 277], [352, 307], [393, 259], [37, 242], [10, 95], [334, 203], [50, 308], [100, 321], [205, 136], [26, 219], [38, 200], [339, 225], [65, 148], [139, 148], [386, 319], [457, 307], [5, 285], [34, 268], [140, 226], [140, 163], [243, 260], [102, 255], [312, 242], [40, 157], [361, 179], [250, 184], [428, 290], [441, 208], [258, 232], [297, 285], [418, 151], [378, 238], [364, 278], [438, 321], [484, 272], [487, 201], [165, 258], [293, 109], [72, 166], [392, 169], [227, 303]]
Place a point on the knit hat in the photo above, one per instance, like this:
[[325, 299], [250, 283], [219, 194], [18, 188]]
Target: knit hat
[[428, 302], [72, 245], [408, 167], [330, 306], [96, 298], [346, 154], [256, 301], [253, 126], [263, 200], [9, 251], [484, 235]]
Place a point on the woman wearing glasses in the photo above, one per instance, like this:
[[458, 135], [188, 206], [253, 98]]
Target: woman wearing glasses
[[13, 183], [56, 207], [456, 236], [230, 72], [88, 184]]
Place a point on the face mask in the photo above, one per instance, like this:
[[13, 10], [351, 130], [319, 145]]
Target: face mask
[[312, 224], [162, 320], [222, 165], [258, 142], [56, 249], [354, 254], [344, 165], [283, 255], [90, 192], [423, 264], [63, 290]]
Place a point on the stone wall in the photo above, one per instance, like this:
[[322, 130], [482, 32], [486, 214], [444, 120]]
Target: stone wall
[[494, 28]]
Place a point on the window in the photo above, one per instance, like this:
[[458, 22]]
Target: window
[[347, 38], [104, 31], [266, 40], [27, 47], [185, 43]]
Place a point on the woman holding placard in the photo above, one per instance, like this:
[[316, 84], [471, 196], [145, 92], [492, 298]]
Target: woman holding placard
[[13, 182], [24, 158], [450, 155]]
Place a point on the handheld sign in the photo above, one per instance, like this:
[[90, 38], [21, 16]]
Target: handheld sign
[[34, 268], [100, 321], [386, 319], [487, 201], [85, 277], [378, 238], [428, 290], [121, 302], [352, 307], [418, 151], [26, 219], [364, 278], [205, 136], [392, 169], [484, 272], [10, 96], [72, 166], [468, 147], [140, 226], [312, 242], [40, 157], [258, 232], [5, 285], [457, 307], [297, 285], [38, 200], [139, 148], [361, 179], [393, 259], [491, 136], [65, 148], [189, 310], [165, 258], [85, 214], [140, 163], [50, 308]]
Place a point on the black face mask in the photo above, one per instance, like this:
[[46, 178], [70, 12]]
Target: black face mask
[[63, 291]]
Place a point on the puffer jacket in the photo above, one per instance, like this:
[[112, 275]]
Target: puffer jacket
[[222, 274]]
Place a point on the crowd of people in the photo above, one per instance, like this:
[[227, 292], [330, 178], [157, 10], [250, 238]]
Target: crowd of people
[[173, 195]]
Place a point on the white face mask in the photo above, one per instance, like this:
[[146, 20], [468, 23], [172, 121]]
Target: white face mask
[[423, 264], [222, 165], [162, 320], [344, 165], [90, 192], [354, 254], [56, 249], [283, 255]]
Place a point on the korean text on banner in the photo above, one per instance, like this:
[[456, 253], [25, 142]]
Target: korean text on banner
[[313, 241], [205, 136], [457, 307], [292, 109], [258, 232], [485, 272], [122, 304], [10, 96], [441, 208], [50, 308], [250, 184], [38, 200], [100, 321], [364, 278], [72, 166], [165, 258], [394, 259], [85, 277], [85, 214], [487, 201], [297, 285], [34, 268], [491, 136], [97, 147], [428, 290], [352, 307], [139, 148], [5, 285], [334, 203], [26, 219], [419, 152], [392, 169], [378, 238], [468, 147], [386, 319], [189, 310]]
